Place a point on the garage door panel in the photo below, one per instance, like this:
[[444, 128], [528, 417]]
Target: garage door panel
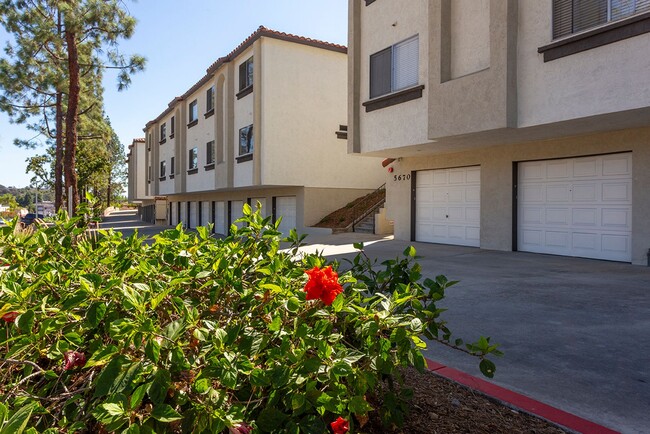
[[557, 216], [220, 218], [558, 193], [285, 207], [617, 165], [452, 216], [557, 170], [617, 218], [592, 205], [585, 217], [586, 167], [585, 192], [617, 192], [473, 214]]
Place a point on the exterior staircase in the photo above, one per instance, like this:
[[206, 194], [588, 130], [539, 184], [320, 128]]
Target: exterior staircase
[[366, 225]]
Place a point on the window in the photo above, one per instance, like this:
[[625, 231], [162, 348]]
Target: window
[[163, 133], [172, 167], [209, 100], [149, 139], [149, 174], [246, 140], [163, 169], [171, 127], [572, 16], [194, 114], [246, 74], [394, 68], [209, 152], [193, 159]]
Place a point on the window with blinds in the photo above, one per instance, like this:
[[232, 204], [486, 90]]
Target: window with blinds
[[395, 68], [572, 16]]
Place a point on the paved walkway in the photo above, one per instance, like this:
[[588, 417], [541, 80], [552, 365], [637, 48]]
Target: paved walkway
[[575, 332]]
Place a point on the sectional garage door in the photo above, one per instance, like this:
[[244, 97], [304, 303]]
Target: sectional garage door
[[448, 206], [285, 207], [576, 207]]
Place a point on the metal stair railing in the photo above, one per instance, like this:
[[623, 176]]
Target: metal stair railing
[[360, 212]]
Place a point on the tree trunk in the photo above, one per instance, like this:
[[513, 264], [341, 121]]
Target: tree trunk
[[72, 117], [58, 152], [58, 155]]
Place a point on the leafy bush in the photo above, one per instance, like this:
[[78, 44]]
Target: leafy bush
[[193, 334]]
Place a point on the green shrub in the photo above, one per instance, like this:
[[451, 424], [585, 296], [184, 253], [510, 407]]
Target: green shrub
[[193, 334]]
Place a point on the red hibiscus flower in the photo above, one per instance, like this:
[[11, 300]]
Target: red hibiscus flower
[[323, 284], [10, 316], [73, 359], [340, 426], [240, 428]]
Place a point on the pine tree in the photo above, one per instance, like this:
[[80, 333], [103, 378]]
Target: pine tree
[[59, 48]]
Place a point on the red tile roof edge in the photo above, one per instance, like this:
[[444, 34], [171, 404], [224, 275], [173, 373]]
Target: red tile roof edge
[[260, 32]]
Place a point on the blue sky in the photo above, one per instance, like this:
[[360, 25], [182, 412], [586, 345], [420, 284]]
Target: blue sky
[[180, 39]]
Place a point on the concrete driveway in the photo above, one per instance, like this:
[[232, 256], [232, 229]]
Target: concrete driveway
[[575, 332]]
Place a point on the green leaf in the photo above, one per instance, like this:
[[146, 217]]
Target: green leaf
[[276, 324], [410, 251], [202, 385], [159, 386], [341, 369], [152, 350], [108, 376], [111, 414], [26, 321], [487, 368], [358, 405], [297, 401], [102, 356], [19, 420], [95, 313], [165, 413], [133, 429], [138, 395], [270, 419], [3, 414], [293, 304], [358, 246], [174, 329]]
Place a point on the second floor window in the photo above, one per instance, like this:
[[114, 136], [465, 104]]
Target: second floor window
[[394, 68], [163, 132], [163, 169], [209, 152], [172, 166], [193, 158], [209, 100], [171, 126], [194, 111], [246, 74], [246, 140], [572, 16]]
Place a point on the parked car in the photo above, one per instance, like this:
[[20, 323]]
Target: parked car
[[29, 218]]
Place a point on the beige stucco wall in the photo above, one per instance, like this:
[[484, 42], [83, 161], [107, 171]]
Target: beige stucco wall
[[383, 24], [303, 103], [605, 79], [470, 37], [165, 152], [497, 182], [243, 116], [198, 136]]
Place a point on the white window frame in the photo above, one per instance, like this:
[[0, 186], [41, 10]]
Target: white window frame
[[393, 77]]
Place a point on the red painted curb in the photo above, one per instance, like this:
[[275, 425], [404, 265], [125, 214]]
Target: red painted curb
[[518, 400]]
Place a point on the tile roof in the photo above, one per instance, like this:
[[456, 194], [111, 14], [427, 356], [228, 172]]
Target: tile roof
[[260, 32]]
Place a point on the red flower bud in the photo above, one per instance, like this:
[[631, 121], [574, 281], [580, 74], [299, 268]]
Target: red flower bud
[[240, 428], [340, 426], [323, 284], [10, 316], [73, 359]]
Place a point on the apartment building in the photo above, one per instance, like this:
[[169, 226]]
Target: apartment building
[[259, 127], [136, 160], [508, 125]]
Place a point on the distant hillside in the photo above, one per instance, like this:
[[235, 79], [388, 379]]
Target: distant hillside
[[26, 195]]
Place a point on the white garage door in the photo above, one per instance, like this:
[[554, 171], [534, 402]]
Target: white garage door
[[205, 213], [184, 214], [236, 212], [448, 206], [285, 207], [174, 212], [193, 215], [220, 218], [577, 207]]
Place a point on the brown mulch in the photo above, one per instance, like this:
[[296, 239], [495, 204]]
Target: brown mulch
[[343, 217], [440, 406]]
